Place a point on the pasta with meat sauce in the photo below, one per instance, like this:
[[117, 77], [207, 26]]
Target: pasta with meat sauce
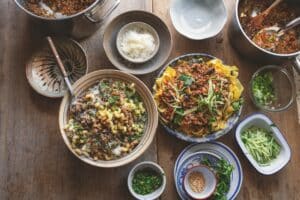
[[107, 121], [197, 97]]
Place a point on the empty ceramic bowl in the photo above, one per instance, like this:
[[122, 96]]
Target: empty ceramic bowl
[[137, 38], [196, 175], [110, 47], [147, 166], [43, 73], [198, 19]]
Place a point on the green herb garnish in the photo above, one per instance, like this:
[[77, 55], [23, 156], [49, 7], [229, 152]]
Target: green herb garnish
[[261, 144], [146, 181], [263, 89], [177, 119], [187, 80], [113, 99], [237, 104], [223, 171]]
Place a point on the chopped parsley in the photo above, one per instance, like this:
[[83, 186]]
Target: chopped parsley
[[146, 181]]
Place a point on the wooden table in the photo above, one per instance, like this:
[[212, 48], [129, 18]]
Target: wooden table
[[34, 161]]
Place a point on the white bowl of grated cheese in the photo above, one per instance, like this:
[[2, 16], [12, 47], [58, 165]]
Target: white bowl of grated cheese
[[137, 42]]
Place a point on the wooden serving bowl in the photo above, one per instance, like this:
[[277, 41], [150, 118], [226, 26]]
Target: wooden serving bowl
[[152, 114]]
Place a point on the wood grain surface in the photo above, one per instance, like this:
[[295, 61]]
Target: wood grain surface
[[36, 164]]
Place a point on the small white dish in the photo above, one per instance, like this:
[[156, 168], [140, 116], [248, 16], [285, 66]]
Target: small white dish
[[262, 121], [152, 166], [210, 182], [198, 19], [144, 27]]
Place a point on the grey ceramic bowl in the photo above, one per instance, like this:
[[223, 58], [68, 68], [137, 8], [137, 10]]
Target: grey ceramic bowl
[[110, 47], [198, 19]]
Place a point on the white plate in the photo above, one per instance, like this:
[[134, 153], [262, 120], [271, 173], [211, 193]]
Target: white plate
[[262, 121], [187, 156]]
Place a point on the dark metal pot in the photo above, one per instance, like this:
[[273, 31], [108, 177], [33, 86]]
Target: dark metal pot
[[79, 25], [250, 50]]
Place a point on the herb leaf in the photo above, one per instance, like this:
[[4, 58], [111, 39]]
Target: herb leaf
[[237, 104], [113, 99], [187, 80], [223, 170], [177, 119]]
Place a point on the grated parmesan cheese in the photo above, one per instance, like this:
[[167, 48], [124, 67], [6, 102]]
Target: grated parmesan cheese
[[137, 44]]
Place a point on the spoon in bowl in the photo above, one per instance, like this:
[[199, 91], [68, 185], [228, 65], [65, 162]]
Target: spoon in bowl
[[289, 25], [269, 37], [60, 64]]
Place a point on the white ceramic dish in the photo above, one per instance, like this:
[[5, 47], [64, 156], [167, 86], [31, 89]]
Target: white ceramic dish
[[262, 121], [210, 182], [139, 26], [198, 19], [147, 165]]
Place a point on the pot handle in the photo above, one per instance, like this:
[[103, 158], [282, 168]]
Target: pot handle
[[297, 64], [90, 15]]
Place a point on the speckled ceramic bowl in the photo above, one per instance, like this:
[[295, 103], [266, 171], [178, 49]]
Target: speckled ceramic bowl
[[152, 115], [43, 73], [110, 37]]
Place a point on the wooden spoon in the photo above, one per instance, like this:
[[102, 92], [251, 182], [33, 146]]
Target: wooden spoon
[[258, 19]]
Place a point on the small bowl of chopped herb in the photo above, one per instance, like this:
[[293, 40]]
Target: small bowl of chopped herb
[[263, 144], [272, 88], [146, 181]]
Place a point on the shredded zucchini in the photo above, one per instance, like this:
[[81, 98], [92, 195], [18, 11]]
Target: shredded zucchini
[[261, 144]]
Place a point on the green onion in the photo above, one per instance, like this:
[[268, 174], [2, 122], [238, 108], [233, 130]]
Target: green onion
[[263, 89]]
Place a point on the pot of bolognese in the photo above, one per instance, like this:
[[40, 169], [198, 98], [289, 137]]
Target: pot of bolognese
[[264, 41], [77, 18]]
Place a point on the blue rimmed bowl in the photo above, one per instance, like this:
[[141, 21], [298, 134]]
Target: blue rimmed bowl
[[231, 122], [194, 154]]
